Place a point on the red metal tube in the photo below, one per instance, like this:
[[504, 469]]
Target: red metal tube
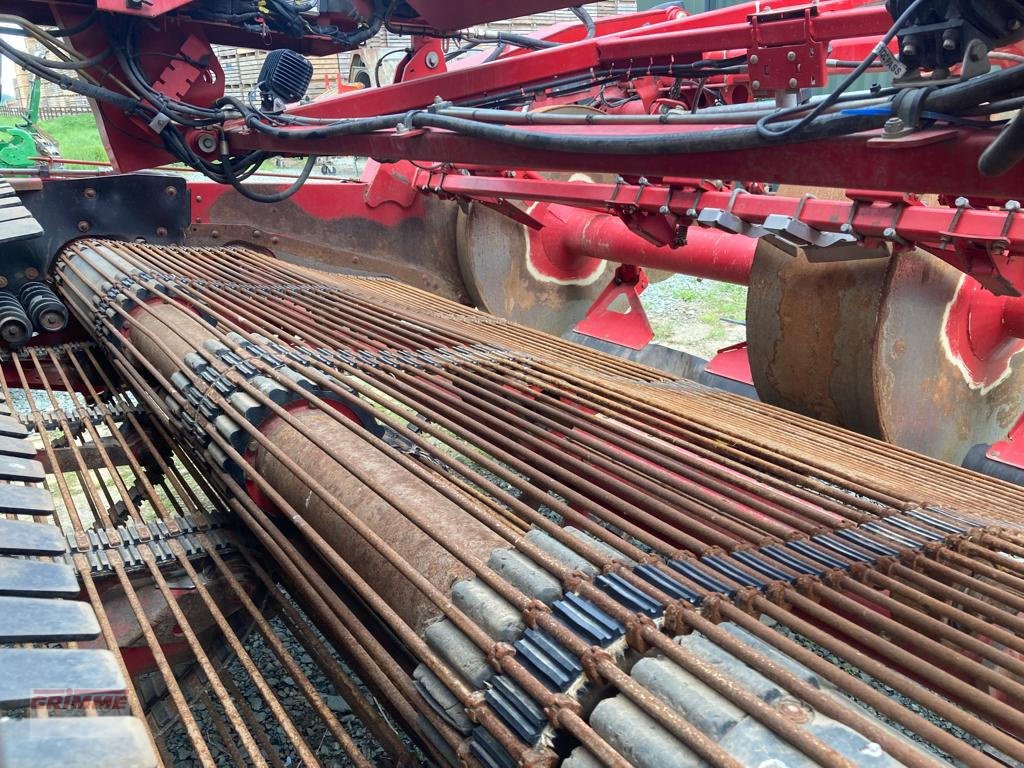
[[572, 237]]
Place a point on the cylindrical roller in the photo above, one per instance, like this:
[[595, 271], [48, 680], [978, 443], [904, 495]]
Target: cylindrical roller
[[907, 349], [44, 308], [15, 327]]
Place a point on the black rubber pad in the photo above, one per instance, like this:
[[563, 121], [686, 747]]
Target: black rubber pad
[[29, 673], [42, 620], [25, 500], [75, 742], [15, 446], [11, 427], [19, 537], [26, 470], [36, 578]]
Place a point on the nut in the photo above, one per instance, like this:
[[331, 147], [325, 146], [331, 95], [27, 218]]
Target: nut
[[84, 226], [31, 273], [171, 191], [206, 142], [89, 193]]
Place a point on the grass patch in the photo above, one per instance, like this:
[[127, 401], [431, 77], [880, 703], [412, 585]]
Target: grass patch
[[77, 135]]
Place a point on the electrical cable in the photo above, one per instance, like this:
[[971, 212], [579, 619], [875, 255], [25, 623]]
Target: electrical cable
[[773, 133], [380, 62]]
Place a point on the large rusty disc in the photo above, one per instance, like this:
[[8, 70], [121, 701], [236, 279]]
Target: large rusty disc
[[875, 345], [499, 261]]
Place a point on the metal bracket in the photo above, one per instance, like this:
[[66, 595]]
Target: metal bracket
[[790, 234]]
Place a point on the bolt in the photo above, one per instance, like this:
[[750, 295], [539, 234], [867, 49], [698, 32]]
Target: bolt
[[909, 51], [889, 233], [432, 60], [161, 231], [793, 82], [791, 56], [754, 59], [206, 142], [756, 85], [998, 250], [1013, 205], [894, 125], [3, 282], [31, 273], [89, 193], [215, 234], [949, 44], [83, 226], [51, 320], [846, 228], [664, 210], [171, 191], [355, 259], [199, 198], [275, 240], [1015, 24], [962, 202]]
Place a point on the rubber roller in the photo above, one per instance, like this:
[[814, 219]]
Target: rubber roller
[[15, 327], [44, 308]]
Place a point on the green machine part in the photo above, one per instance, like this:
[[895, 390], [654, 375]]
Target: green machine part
[[32, 115], [18, 150], [18, 145]]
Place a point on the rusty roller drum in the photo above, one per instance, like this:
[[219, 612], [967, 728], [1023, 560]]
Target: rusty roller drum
[[497, 257], [895, 348]]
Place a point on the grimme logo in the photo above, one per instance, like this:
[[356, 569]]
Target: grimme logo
[[104, 702]]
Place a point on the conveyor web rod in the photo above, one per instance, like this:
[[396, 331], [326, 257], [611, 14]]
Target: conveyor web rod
[[546, 505], [138, 512]]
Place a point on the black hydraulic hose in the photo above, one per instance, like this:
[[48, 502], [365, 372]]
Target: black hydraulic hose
[[92, 61], [588, 21], [83, 25], [1006, 151], [519, 41], [730, 139], [67, 83], [275, 197], [679, 143], [360, 36], [954, 99], [495, 53]]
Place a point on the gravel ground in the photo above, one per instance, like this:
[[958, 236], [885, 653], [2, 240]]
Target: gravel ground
[[326, 747], [696, 316]]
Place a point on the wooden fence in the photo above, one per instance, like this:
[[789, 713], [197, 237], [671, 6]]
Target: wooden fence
[[45, 113]]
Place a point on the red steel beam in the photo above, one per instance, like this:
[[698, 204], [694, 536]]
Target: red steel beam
[[914, 223], [944, 162], [700, 34]]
